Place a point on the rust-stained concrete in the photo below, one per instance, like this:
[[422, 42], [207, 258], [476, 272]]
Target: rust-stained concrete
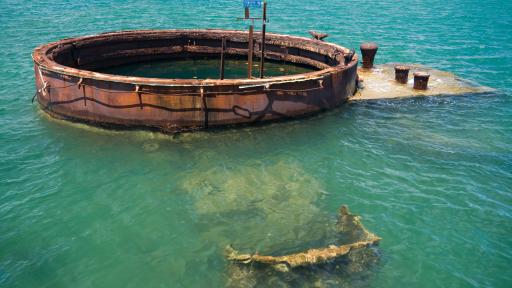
[[379, 83]]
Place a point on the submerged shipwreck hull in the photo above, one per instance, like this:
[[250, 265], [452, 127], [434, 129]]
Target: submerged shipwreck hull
[[349, 226], [68, 88], [351, 253]]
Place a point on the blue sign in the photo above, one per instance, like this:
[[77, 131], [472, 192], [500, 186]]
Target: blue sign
[[252, 3]]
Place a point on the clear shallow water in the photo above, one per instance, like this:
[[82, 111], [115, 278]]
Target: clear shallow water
[[202, 69], [431, 176]]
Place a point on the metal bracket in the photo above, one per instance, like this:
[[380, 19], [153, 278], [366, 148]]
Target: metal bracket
[[204, 107], [139, 93], [81, 86]]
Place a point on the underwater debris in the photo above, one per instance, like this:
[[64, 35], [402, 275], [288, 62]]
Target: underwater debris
[[282, 219], [349, 227], [286, 201], [150, 147]]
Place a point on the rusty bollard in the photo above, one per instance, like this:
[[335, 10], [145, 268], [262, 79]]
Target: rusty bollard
[[421, 80], [401, 74], [368, 50]]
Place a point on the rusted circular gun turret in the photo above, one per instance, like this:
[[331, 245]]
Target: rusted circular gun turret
[[71, 85], [421, 80], [401, 74], [368, 50]]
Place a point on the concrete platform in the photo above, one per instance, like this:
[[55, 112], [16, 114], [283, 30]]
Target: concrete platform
[[379, 83]]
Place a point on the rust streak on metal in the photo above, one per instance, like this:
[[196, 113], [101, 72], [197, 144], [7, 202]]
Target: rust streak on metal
[[204, 107], [139, 94]]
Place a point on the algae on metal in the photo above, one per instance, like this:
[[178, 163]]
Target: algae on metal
[[272, 208], [353, 253], [379, 83], [350, 228]]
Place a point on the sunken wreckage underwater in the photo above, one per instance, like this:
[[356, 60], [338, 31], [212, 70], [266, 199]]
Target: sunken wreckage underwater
[[353, 250], [69, 88]]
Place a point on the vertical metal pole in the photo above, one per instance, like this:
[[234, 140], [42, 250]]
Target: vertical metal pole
[[263, 28], [251, 51], [222, 58], [247, 15]]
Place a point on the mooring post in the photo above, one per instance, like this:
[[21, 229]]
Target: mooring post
[[247, 14], [421, 80], [222, 60], [263, 28], [368, 50], [401, 74], [251, 51]]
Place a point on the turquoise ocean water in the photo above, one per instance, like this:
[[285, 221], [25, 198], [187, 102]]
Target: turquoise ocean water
[[82, 207]]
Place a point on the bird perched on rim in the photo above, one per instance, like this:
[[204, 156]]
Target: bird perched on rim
[[318, 36]]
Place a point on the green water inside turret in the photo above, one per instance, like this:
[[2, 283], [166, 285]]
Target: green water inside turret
[[203, 68]]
